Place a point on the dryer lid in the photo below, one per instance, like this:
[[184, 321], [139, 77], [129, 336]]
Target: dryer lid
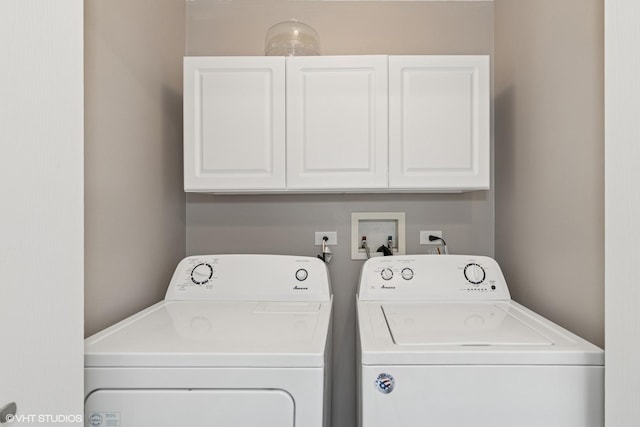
[[467, 324], [216, 334]]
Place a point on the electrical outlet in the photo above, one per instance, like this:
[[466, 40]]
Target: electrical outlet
[[331, 235], [424, 237]]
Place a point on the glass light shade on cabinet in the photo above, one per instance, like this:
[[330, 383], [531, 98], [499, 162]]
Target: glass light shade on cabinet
[[291, 38]]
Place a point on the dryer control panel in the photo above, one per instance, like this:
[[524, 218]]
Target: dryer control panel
[[250, 278], [432, 278]]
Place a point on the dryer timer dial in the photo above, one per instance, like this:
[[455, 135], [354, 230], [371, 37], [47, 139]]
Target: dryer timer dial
[[201, 273], [302, 274], [407, 273], [386, 273]]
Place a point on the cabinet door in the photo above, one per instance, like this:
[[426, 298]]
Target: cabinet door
[[234, 136], [337, 129], [439, 122]]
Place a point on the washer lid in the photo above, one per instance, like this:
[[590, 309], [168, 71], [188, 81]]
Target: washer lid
[[458, 324], [212, 334], [465, 333]]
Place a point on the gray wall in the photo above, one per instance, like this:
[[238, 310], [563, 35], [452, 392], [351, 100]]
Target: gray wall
[[549, 153], [134, 203], [286, 223]]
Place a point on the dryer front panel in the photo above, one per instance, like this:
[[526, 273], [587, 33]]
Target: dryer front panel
[[189, 407]]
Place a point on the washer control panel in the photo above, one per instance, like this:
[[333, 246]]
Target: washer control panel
[[432, 278], [250, 278]]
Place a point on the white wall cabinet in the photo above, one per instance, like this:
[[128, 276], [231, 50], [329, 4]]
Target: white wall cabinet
[[439, 122], [370, 123], [234, 124], [337, 122]]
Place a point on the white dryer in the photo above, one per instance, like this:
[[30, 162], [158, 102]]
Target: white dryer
[[238, 341], [441, 343]]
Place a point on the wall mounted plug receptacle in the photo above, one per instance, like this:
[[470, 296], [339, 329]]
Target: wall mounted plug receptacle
[[424, 237], [332, 237]]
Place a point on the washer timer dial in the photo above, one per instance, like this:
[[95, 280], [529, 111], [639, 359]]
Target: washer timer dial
[[474, 273], [201, 273]]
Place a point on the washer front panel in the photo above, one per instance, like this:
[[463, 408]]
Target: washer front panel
[[483, 396]]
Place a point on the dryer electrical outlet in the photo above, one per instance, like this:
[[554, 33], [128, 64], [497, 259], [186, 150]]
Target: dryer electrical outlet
[[332, 237]]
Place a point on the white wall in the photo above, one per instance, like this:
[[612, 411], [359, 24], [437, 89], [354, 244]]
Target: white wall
[[41, 207], [622, 149]]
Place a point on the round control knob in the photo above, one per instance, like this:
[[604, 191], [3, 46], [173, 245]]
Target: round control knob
[[407, 273], [201, 273], [474, 273], [386, 273], [302, 274]]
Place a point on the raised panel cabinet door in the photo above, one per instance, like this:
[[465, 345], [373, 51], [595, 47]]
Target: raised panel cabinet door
[[337, 129], [234, 123], [439, 122]]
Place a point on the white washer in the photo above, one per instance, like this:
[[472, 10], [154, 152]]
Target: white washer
[[441, 343], [239, 340]]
